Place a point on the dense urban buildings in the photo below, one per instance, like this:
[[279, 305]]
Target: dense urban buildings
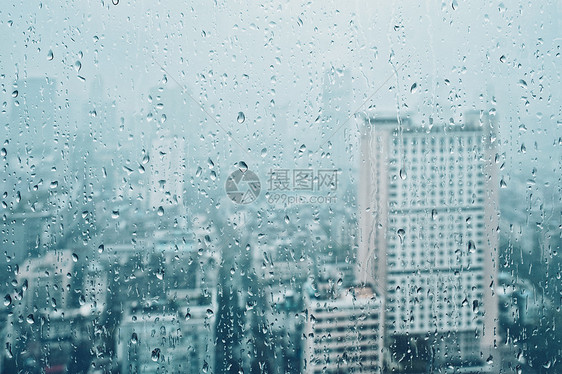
[[128, 256]]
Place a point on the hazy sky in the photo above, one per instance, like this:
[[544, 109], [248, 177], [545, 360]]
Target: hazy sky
[[269, 58]]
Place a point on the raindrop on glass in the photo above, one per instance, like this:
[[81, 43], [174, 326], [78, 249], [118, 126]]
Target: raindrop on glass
[[414, 88], [401, 233], [156, 354], [241, 117], [242, 166]]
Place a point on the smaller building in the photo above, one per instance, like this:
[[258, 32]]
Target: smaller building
[[162, 337], [344, 331]]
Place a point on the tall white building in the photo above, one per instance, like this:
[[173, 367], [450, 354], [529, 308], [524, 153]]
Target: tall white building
[[428, 229], [343, 332]]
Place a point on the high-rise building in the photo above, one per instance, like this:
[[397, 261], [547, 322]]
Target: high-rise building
[[429, 231], [343, 331]]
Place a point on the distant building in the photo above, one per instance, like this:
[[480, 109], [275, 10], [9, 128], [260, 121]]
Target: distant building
[[165, 337], [170, 299], [31, 233], [335, 112], [429, 232], [54, 305], [344, 333], [34, 130], [519, 304], [167, 172], [287, 322]]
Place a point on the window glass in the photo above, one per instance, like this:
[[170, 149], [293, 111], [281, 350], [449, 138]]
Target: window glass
[[280, 187]]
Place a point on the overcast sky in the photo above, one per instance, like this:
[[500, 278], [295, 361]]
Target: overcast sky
[[269, 58]]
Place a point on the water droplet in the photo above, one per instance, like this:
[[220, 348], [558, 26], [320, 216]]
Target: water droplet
[[503, 184], [160, 211], [74, 257], [54, 184], [475, 306], [9, 353], [241, 117], [30, 319], [502, 58], [414, 88], [287, 220], [50, 55], [160, 274], [77, 66], [242, 166], [401, 233], [156, 354], [264, 152], [101, 248], [115, 214], [115, 2], [134, 338], [210, 313], [433, 214], [15, 93], [7, 300], [471, 246], [403, 174], [3, 152], [522, 83]]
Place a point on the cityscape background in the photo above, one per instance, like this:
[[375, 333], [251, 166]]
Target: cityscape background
[[408, 216]]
